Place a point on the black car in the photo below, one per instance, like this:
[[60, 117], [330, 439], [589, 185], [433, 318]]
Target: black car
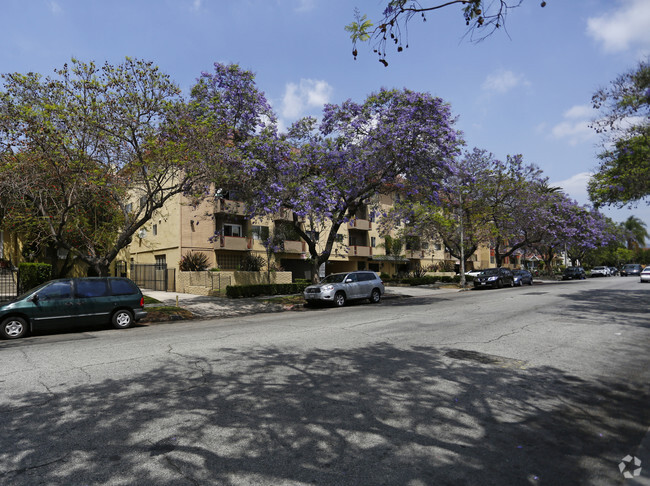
[[522, 277], [631, 269], [494, 277], [574, 273]]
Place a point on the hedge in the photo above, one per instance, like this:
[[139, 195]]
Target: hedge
[[235, 291], [430, 279], [32, 275]]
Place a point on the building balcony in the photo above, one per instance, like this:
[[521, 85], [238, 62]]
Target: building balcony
[[236, 243], [285, 215], [415, 254], [294, 246], [230, 207], [360, 224], [360, 251]]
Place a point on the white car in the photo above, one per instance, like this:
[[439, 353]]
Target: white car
[[600, 272], [645, 274], [473, 273]]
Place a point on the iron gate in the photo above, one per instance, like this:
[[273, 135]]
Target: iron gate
[[154, 276], [8, 284]]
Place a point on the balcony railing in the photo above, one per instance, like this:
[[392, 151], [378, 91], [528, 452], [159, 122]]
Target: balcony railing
[[417, 254], [294, 246], [361, 224], [362, 251], [236, 243], [230, 207]]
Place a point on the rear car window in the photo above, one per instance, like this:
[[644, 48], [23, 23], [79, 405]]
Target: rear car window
[[91, 288], [363, 277], [123, 287]]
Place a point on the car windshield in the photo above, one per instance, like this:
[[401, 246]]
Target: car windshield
[[334, 278], [571, 269]]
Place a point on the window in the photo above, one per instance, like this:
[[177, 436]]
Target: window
[[87, 288], [56, 290], [143, 201], [373, 241], [232, 229], [155, 229], [123, 287], [260, 232], [425, 245], [161, 262], [437, 246]]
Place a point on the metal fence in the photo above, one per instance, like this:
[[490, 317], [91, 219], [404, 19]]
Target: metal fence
[[8, 284], [154, 276]]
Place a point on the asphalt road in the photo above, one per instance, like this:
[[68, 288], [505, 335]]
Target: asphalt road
[[536, 385]]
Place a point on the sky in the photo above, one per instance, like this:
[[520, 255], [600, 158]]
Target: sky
[[525, 91]]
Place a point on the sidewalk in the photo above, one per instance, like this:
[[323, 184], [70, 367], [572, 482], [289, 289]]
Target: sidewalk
[[220, 307]]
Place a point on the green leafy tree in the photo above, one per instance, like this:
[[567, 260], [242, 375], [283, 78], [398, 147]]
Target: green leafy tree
[[481, 18], [635, 232], [90, 154], [623, 176]]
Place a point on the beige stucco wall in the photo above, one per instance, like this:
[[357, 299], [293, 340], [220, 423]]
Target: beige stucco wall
[[207, 283]]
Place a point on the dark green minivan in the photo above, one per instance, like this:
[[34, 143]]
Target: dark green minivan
[[69, 302]]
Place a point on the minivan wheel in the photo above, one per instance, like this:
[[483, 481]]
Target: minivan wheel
[[339, 299], [13, 328], [375, 296], [122, 319]]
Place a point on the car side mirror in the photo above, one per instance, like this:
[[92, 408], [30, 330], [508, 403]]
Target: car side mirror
[[34, 298], [348, 280]]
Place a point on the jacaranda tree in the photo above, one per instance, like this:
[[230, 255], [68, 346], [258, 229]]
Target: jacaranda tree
[[396, 141], [481, 17]]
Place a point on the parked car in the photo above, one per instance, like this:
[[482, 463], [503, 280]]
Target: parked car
[[473, 273], [72, 302], [494, 277], [571, 273], [338, 288], [613, 271], [600, 272], [644, 276], [522, 277], [630, 269]]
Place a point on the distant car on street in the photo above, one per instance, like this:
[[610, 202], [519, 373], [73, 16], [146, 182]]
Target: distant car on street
[[495, 277], [523, 277], [614, 271], [644, 276], [600, 272], [631, 269], [574, 273]]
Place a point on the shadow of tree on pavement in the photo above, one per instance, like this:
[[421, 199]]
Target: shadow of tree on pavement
[[374, 415]]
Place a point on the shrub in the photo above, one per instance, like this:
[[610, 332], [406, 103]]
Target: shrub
[[235, 291], [193, 262], [33, 274], [252, 263]]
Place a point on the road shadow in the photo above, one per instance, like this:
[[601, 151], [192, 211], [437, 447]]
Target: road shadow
[[607, 306], [375, 415]]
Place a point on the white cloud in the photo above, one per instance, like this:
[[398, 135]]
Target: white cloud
[[305, 5], [55, 8], [309, 93], [628, 26], [575, 127], [503, 81], [575, 186], [196, 5]]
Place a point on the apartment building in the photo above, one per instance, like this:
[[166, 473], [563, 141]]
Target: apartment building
[[222, 231]]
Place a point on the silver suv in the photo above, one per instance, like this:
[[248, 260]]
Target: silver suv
[[338, 288]]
